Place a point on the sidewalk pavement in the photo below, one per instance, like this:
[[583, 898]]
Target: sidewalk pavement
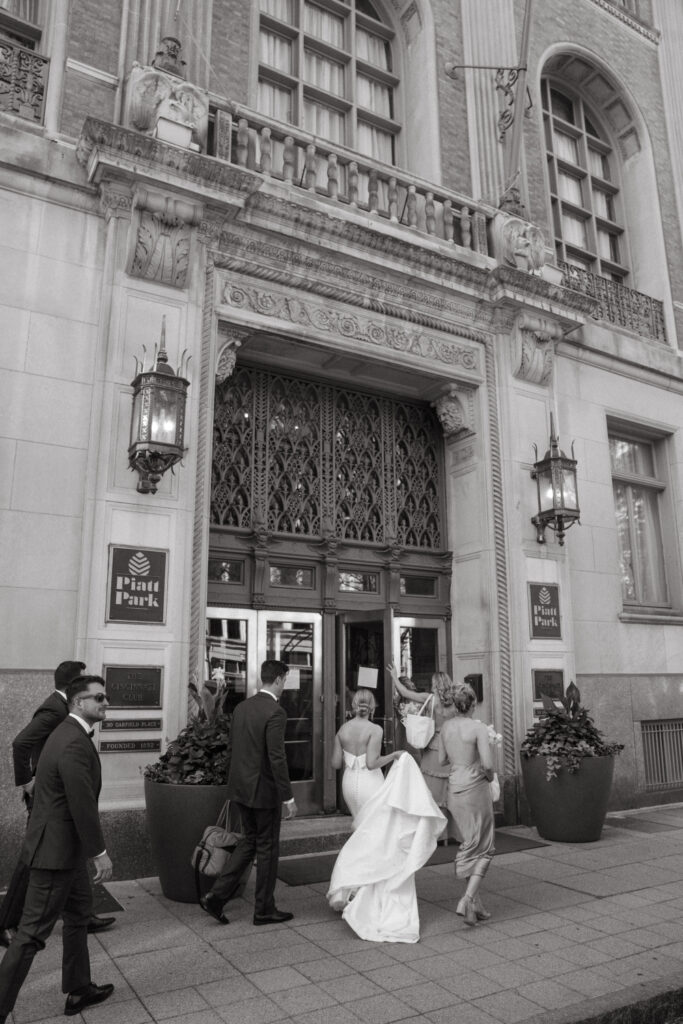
[[577, 932]]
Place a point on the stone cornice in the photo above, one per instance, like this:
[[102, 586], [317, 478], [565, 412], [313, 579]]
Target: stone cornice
[[628, 19], [515, 286]]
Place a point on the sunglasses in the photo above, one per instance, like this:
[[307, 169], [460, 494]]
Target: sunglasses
[[99, 698]]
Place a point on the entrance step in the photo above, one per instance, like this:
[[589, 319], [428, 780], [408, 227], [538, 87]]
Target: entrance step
[[323, 833]]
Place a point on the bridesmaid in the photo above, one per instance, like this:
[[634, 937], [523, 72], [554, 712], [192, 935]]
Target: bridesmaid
[[358, 748]]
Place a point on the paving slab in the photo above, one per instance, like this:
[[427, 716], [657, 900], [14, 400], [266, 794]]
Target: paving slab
[[580, 934]]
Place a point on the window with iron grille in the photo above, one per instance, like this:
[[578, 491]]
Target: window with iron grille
[[663, 753], [306, 458]]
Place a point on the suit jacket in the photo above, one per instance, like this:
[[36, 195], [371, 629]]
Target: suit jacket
[[64, 828], [27, 746], [257, 765]]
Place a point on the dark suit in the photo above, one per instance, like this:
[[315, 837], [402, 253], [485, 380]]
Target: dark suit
[[258, 782], [64, 830], [26, 749]]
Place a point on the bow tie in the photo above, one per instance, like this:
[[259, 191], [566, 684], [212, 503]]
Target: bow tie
[[91, 733]]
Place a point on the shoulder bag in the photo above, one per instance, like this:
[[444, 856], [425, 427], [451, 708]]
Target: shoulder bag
[[420, 727]]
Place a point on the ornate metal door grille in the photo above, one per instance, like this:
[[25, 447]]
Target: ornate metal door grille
[[311, 459]]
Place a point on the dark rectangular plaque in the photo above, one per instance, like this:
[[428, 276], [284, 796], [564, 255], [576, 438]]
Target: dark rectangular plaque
[[133, 686], [129, 746], [548, 682], [129, 724], [137, 585], [544, 611]]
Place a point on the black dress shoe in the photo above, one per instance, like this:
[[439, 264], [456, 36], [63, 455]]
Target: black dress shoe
[[88, 997], [214, 907], [276, 917], [6, 936], [98, 924]]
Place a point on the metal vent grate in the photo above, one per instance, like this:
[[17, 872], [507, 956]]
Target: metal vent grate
[[663, 753]]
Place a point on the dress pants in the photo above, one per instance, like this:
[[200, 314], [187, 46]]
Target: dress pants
[[50, 894], [261, 835], [13, 903]]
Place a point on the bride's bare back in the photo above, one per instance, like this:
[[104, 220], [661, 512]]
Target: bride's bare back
[[355, 736]]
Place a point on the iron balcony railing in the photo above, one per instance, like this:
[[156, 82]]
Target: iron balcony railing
[[23, 81], [618, 304], [249, 139]]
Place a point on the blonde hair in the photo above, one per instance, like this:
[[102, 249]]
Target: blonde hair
[[463, 697], [364, 703], [442, 687]]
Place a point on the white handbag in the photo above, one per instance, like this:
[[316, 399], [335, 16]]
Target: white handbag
[[494, 786], [420, 727]]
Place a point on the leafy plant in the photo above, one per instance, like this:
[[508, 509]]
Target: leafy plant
[[565, 735], [197, 756]]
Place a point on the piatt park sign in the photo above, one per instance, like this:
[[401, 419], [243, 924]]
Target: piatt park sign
[[137, 585], [544, 611]]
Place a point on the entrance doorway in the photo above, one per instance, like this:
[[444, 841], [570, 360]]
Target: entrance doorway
[[237, 642]]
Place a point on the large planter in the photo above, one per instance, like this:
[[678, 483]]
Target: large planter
[[176, 819], [572, 807]]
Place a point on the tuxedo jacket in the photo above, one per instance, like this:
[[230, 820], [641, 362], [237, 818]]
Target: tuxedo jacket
[[27, 746], [257, 765], [64, 828]]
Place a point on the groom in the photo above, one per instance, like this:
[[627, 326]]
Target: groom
[[258, 785]]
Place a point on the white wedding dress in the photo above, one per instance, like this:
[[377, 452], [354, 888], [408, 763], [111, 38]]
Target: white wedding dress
[[395, 834], [359, 782]]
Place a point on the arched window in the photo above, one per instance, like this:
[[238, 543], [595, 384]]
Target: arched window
[[327, 67], [583, 175]]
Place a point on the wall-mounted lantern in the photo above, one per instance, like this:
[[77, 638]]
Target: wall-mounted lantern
[[158, 424], [558, 501]]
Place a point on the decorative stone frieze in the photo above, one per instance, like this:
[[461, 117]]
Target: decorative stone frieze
[[229, 340], [518, 243], [160, 237], [455, 410], [533, 348], [348, 325], [153, 95]]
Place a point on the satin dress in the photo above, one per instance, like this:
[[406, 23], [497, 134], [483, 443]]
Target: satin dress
[[359, 783]]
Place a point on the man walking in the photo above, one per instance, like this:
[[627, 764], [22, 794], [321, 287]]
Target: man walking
[[258, 784], [63, 833], [26, 749]]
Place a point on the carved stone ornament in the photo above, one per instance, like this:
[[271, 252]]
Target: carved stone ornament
[[518, 243], [455, 410], [229, 340], [533, 348], [160, 238], [152, 94], [167, 58]]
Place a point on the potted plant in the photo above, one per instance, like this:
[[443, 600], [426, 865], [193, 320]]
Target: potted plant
[[567, 769], [186, 788]]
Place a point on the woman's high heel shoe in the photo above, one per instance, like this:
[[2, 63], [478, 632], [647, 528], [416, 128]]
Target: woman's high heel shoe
[[482, 915], [465, 908]]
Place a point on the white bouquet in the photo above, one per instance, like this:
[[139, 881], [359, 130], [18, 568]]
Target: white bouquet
[[408, 707], [495, 738]]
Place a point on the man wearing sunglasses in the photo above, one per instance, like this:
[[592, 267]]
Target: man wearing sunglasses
[[26, 749], [63, 834]]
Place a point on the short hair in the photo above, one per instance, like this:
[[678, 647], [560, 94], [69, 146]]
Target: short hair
[[66, 671], [464, 697], [271, 670], [79, 685], [364, 700]]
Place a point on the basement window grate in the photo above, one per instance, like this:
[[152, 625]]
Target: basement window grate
[[663, 753]]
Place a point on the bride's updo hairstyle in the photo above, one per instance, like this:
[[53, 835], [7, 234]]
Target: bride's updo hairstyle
[[442, 686], [463, 697], [364, 703]]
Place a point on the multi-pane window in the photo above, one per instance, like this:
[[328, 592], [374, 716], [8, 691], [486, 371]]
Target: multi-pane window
[[327, 67], [637, 490], [20, 22], [584, 194]]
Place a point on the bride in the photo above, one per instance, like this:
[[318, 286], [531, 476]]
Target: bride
[[358, 747], [396, 824]]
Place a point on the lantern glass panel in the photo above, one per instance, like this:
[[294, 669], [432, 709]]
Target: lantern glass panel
[[135, 421], [570, 498], [545, 488], [164, 416]]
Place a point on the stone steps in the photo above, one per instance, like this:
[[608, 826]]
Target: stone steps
[[322, 833]]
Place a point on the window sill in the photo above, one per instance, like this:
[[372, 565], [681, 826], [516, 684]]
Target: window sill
[[659, 618]]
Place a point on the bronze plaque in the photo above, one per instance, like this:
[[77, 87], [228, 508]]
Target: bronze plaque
[[129, 746], [548, 682], [544, 611], [133, 686], [129, 724], [137, 585]]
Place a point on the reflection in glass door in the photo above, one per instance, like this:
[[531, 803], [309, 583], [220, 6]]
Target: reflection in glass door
[[237, 642], [419, 649]]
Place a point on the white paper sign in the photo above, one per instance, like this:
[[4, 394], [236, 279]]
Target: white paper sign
[[367, 677], [293, 681]]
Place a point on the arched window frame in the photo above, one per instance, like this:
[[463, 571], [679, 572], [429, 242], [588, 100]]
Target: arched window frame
[[287, 21], [576, 192]]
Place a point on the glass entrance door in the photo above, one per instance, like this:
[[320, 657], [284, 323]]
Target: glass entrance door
[[237, 642], [419, 649]]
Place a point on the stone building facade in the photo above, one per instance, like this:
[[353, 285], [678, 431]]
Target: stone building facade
[[379, 298]]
